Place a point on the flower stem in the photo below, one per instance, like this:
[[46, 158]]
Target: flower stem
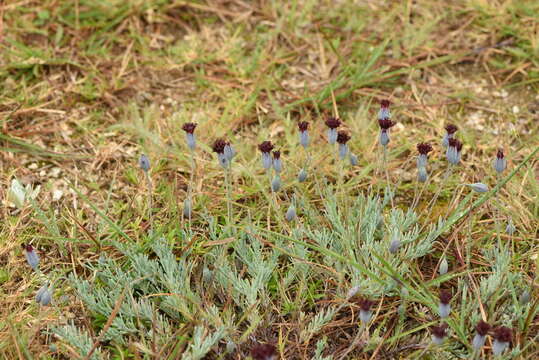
[[150, 199]]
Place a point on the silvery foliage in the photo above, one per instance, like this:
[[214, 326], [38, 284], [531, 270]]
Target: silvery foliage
[[356, 235], [141, 275], [250, 289], [320, 345], [79, 339], [318, 321]]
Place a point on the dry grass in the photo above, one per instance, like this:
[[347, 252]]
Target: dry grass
[[85, 88]]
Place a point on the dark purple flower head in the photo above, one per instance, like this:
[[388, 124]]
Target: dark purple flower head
[[424, 148], [276, 154], [219, 146], [333, 122], [439, 331], [265, 147], [482, 328], [384, 104], [366, 304], [500, 154], [385, 124], [189, 127], [303, 125], [451, 129], [503, 334], [263, 352], [445, 296], [28, 247], [455, 143], [342, 137]]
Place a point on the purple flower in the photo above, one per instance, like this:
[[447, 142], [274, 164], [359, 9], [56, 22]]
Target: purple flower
[[500, 163], [189, 129], [44, 295], [444, 308], [342, 139], [277, 163], [332, 123], [263, 352], [451, 130], [266, 147], [481, 330], [384, 112], [365, 312], [31, 256], [385, 125], [438, 333], [303, 133], [502, 337], [453, 152], [423, 149], [218, 147]]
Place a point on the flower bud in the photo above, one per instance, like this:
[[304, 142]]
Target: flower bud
[[384, 138], [144, 163], [302, 176], [229, 152], [187, 210], [524, 297], [395, 244], [44, 295], [479, 187], [352, 292], [353, 159], [276, 183], [444, 266], [291, 213], [384, 112], [510, 228], [453, 153]]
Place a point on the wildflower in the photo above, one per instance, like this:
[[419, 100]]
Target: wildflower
[[444, 266], [302, 176], [303, 133], [353, 159], [229, 151], [438, 333], [500, 163], [332, 123], [395, 244], [479, 187], [481, 330], [277, 163], [451, 130], [422, 174], [263, 352], [342, 139], [290, 213], [266, 147], [144, 163], [31, 256], [502, 337], [219, 148], [385, 125], [365, 312], [453, 151], [44, 295], [444, 308], [276, 183], [384, 112], [423, 149], [189, 129]]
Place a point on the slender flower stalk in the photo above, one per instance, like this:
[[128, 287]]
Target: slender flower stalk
[[224, 156], [144, 164], [190, 139], [386, 124]]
